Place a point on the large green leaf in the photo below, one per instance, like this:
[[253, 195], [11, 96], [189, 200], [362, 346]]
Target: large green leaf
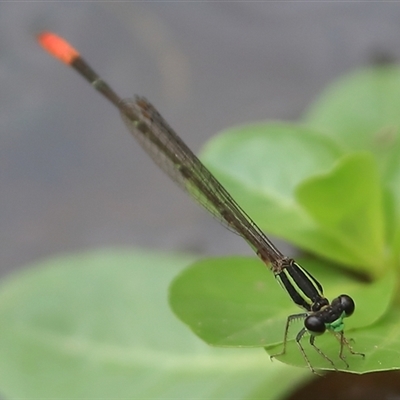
[[347, 203], [97, 326], [235, 302]]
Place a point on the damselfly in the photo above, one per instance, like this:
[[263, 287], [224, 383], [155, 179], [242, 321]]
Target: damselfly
[[168, 150]]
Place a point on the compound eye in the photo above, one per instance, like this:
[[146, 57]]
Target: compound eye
[[347, 304], [314, 325]]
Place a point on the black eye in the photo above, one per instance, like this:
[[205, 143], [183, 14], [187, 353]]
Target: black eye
[[347, 304], [315, 325]]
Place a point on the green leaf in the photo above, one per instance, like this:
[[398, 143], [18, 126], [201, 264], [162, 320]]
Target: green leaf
[[235, 302], [231, 301], [361, 111], [347, 203], [262, 164], [97, 325]]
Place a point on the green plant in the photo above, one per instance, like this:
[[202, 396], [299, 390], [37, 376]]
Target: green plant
[[97, 324], [331, 187]]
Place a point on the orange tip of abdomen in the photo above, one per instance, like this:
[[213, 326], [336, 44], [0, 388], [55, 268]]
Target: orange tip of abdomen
[[57, 47]]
